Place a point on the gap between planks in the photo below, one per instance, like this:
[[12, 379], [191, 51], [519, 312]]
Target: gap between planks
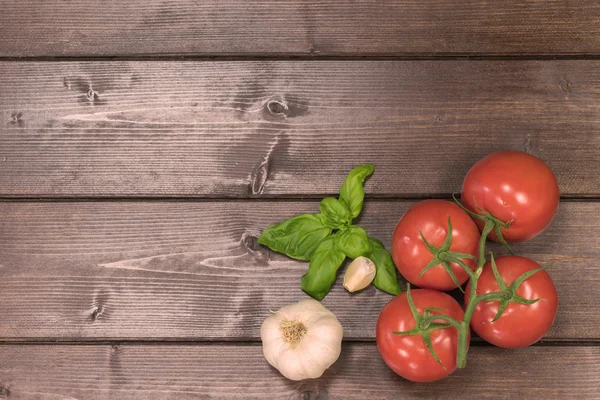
[[592, 198], [475, 342], [314, 57]]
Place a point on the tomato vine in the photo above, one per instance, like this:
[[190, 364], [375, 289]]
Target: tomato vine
[[428, 322]]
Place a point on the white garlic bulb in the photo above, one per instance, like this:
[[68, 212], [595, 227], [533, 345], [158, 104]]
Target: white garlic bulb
[[359, 275], [302, 340]]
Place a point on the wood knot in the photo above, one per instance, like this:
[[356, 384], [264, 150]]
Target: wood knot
[[4, 392], [261, 175], [310, 395], [277, 108], [92, 95], [96, 313], [565, 86], [531, 145], [250, 242], [16, 118]]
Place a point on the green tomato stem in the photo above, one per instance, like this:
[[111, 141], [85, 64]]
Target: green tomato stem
[[463, 345], [489, 225], [463, 329], [478, 299]]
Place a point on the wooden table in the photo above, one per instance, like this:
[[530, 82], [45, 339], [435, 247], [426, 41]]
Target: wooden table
[[145, 145]]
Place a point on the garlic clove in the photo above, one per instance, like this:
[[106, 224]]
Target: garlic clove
[[329, 332], [290, 366], [328, 347], [268, 329], [359, 275], [273, 352], [316, 358]]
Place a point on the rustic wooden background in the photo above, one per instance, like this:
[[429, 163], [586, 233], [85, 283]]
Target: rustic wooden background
[[145, 145]]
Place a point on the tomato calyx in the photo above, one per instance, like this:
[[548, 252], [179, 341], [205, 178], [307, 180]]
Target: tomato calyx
[[444, 256], [424, 324], [488, 217], [508, 293]]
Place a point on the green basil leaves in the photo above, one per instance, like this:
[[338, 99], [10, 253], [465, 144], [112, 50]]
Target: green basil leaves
[[297, 237], [322, 269], [326, 239], [353, 242], [385, 276], [334, 214], [352, 193]]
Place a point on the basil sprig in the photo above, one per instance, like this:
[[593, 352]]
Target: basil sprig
[[327, 238]]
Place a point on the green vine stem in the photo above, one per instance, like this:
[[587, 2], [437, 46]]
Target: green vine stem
[[463, 328]]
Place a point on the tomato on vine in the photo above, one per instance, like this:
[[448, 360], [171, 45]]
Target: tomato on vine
[[424, 335], [428, 240], [413, 341], [517, 190], [527, 309]]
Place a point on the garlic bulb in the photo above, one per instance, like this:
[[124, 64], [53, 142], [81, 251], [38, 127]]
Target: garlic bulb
[[359, 275], [302, 339]]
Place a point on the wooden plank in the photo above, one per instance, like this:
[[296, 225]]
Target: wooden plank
[[222, 129], [239, 371], [193, 270], [311, 27]]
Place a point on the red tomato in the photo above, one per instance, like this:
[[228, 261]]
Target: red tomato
[[408, 356], [431, 218], [520, 325], [513, 186]]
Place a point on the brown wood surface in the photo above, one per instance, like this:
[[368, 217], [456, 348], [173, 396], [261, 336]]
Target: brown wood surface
[[168, 372], [288, 128], [115, 277], [193, 270], [311, 27]]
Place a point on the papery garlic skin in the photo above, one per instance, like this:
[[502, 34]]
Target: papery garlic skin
[[314, 345], [360, 274]]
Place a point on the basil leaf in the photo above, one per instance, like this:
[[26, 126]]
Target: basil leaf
[[334, 213], [353, 242], [352, 193], [297, 237], [322, 270], [385, 276]]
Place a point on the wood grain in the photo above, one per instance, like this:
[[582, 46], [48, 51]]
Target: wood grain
[[166, 372], [273, 129], [265, 27], [193, 270]]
